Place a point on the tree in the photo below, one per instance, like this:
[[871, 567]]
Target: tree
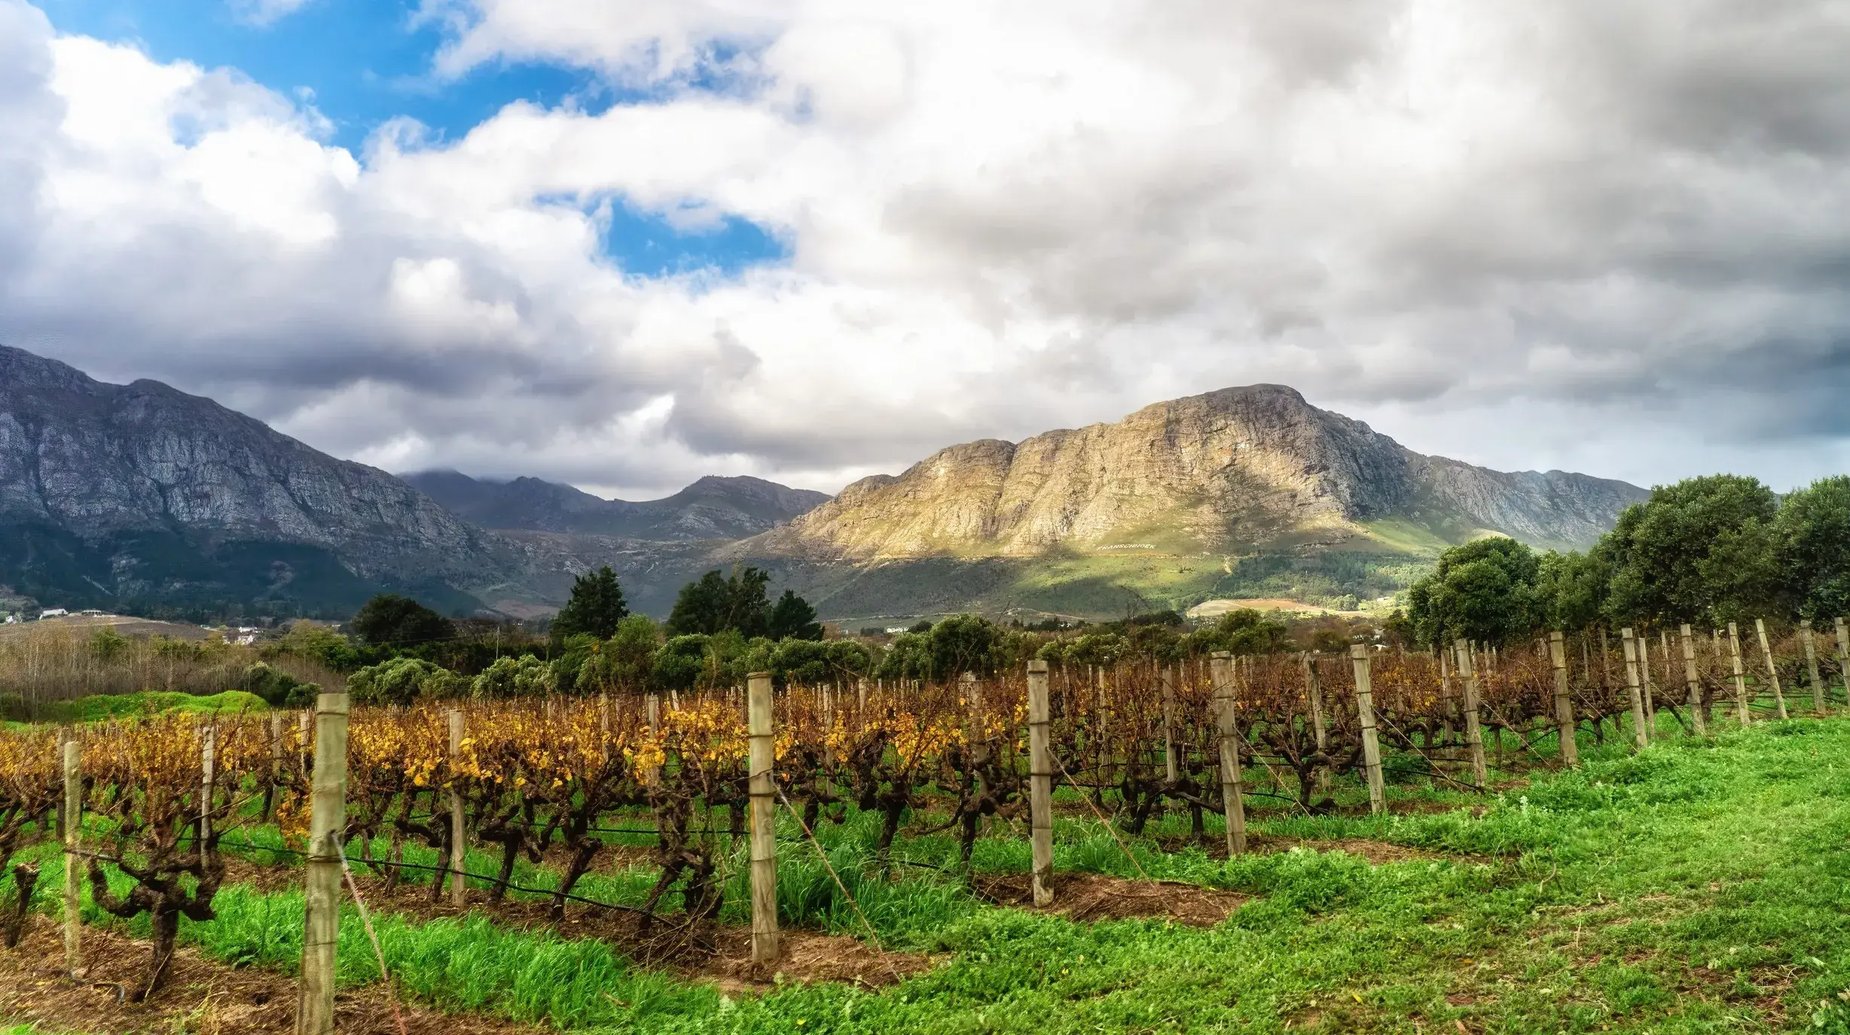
[[1243, 630], [793, 619], [525, 676], [1699, 551], [1812, 543], [595, 607], [716, 602], [390, 620], [681, 662], [1483, 590], [1571, 589], [402, 681], [963, 643]]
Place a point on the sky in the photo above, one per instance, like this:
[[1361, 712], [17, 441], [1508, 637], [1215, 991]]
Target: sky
[[624, 245]]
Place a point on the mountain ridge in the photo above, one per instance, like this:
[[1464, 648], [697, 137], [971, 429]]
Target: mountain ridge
[[141, 492], [711, 507], [144, 493], [1259, 455], [1247, 490]]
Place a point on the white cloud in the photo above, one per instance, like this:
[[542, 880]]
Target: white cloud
[[1570, 235], [266, 12]]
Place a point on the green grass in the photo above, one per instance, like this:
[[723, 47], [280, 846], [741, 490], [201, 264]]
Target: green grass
[[1703, 886], [105, 707]]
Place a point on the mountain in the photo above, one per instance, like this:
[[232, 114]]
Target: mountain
[[1242, 491], [711, 508], [141, 496]]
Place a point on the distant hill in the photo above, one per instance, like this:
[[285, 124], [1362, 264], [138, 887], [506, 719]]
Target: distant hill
[[711, 508], [1242, 491], [141, 497]]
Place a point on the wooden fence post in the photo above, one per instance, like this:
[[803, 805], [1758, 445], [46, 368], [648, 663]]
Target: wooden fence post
[[1640, 737], [1371, 741], [276, 766], [1167, 677], [1319, 723], [327, 818], [1820, 702], [1474, 733], [764, 821], [459, 893], [1843, 655], [208, 766], [1740, 676], [1697, 719], [1564, 701], [1772, 672], [1647, 687], [73, 844], [1232, 779], [1040, 783]]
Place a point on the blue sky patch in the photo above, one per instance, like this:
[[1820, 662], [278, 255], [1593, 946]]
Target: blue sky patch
[[361, 63]]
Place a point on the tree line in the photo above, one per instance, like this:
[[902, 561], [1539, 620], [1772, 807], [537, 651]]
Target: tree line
[[1705, 551]]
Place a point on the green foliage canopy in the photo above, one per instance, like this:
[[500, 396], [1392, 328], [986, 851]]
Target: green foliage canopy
[[595, 607]]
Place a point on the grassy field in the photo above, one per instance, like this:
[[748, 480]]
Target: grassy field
[[1698, 887]]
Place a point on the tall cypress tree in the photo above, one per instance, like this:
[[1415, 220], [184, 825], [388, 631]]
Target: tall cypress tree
[[596, 606]]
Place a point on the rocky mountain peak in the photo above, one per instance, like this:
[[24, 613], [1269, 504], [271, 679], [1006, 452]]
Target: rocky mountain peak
[[1219, 471]]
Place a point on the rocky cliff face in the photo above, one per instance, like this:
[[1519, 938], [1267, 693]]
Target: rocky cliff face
[[711, 508], [97, 466], [1230, 470]]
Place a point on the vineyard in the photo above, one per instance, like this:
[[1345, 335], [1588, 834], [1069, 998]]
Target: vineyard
[[709, 791]]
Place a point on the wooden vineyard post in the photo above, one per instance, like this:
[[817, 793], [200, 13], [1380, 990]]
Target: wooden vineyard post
[[1819, 702], [73, 844], [208, 759], [1168, 678], [764, 821], [1772, 671], [1696, 718], [458, 849], [1474, 733], [276, 766], [1740, 677], [1232, 780], [327, 818], [1040, 789], [1640, 736], [1843, 654], [1564, 701], [1371, 741], [1319, 724], [1646, 688], [972, 695]]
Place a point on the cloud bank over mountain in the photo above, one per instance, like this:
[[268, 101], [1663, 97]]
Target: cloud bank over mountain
[[1589, 236]]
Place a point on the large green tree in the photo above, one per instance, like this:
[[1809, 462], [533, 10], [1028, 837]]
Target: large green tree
[[792, 618], [963, 643], [1483, 590], [1699, 551], [716, 602], [595, 607], [390, 620], [1812, 543], [1571, 589]]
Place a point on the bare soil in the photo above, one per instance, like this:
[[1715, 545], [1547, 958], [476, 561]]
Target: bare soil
[[1091, 896], [199, 995], [1375, 852]]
